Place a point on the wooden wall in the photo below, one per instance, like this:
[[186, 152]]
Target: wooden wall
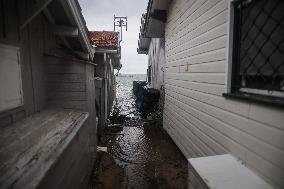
[[110, 85], [105, 71], [101, 92], [33, 40], [100, 100], [51, 82], [74, 167], [66, 84], [71, 85], [200, 120]]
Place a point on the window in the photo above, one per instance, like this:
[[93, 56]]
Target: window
[[256, 54], [10, 78]]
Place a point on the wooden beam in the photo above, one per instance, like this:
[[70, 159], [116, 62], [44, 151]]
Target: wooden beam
[[83, 55], [71, 59], [36, 10], [72, 9], [48, 16], [68, 31], [52, 21]]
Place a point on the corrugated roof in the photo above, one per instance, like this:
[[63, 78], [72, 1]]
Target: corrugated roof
[[104, 39]]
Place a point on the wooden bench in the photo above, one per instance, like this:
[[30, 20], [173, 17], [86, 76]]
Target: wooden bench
[[30, 148], [222, 172]]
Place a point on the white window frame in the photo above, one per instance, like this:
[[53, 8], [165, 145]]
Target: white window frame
[[230, 45], [19, 102], [230, 50]]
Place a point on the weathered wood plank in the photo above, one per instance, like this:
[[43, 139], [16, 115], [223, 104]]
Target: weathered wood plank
[[76, 105], [4, 121], [66, 87], [11, 21], [69, 96], [41, 140], [62, 30], [65, 68], [36, 9], [71, 167], [66, 78]]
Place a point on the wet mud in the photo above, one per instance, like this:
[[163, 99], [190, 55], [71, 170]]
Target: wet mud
[[142, 155]]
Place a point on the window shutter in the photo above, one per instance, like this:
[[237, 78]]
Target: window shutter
[[11, 95]]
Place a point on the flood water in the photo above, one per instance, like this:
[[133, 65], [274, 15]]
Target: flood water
[[142, 155]]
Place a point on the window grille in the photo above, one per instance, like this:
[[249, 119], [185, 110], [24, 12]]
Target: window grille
[[258, 52]]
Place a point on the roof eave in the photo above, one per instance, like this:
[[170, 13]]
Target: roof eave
[[77, 17], [156, 18]]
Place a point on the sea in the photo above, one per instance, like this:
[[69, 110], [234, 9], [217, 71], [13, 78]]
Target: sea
[[124, 95]]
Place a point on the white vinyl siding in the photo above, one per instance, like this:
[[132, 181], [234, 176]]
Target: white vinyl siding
[[157, 62], [200, 120], [10, 78]]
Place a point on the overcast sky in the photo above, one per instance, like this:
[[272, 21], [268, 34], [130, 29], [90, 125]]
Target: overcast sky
[[99, 16]]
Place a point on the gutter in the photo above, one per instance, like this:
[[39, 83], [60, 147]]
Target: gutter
[[101, 51]]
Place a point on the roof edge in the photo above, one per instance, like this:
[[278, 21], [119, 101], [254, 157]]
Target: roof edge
[[80, 22]]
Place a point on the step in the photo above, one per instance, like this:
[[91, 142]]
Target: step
[[222, 172]]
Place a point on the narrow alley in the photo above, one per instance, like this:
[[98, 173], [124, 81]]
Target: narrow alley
[[141, 94], [142, 155]]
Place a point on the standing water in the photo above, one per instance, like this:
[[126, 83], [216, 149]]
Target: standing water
[[140, 156]]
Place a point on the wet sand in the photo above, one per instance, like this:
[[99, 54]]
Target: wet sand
[[141, 156]]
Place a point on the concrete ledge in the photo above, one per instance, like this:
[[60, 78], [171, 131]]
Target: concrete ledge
[[222, 172]]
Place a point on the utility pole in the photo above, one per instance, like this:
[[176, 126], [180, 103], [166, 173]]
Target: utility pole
[[120, 22]]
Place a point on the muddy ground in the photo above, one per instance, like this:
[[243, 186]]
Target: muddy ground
[[141, 156]]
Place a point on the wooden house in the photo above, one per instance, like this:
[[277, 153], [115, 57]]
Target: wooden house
[[223, 76], [47, 95], [107, 57]]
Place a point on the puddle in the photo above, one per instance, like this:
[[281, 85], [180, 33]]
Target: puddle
[[142, 155]]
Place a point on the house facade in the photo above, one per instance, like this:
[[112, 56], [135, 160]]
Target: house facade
[[223, 78], [47, 95]]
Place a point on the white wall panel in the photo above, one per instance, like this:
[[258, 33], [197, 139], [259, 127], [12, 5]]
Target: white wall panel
[[157, 61], [196, 115]]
